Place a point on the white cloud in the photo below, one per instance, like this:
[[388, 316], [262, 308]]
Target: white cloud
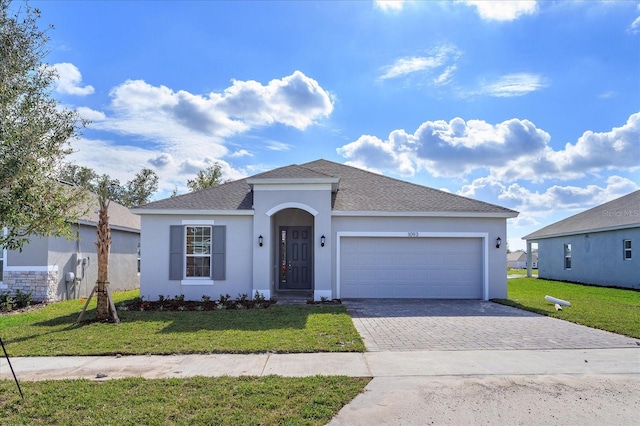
[[503, 10], [512, 150], [240, 153], [277, 146], [447, 149], [390, 5], [634, 28], [594, 151], [509, 85], [70, 79], [446, 76], [91, 114], [554, 198], [185, 131], [183, 124], [608, 95], [296, 101], [173, 170], [441, 59], [405, 66], [373, 154]]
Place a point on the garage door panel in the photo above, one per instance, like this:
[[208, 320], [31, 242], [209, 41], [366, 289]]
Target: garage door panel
[[376, 267]]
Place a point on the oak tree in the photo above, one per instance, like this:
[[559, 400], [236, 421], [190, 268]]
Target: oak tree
[[35, 135]]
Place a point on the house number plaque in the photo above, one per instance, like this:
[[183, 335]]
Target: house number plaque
[[413, 234]]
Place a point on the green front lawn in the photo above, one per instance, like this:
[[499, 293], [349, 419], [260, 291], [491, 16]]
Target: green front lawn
[[608, 309], [269, 400], [52, 331]]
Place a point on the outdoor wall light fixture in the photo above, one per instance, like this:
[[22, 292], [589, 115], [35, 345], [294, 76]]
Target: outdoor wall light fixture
[[322, 240], [498, 242], [260, 240]]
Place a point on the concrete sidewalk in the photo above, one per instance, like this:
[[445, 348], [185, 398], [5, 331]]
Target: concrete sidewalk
[[369, 364]]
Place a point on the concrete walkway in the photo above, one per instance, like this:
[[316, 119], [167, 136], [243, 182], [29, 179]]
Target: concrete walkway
[[369, 364]]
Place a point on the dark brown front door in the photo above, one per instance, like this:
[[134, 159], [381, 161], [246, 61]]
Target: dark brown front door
[[295, 266]]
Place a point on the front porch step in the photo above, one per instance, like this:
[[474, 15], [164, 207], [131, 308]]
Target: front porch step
[[292, 298]]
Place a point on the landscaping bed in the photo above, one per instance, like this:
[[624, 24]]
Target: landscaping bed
[[205, 304]]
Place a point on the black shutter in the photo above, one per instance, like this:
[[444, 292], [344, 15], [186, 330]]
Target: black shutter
[[176, 254], [218, 248]]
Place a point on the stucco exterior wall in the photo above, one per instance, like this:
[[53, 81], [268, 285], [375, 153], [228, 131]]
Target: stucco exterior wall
[[596, 258], [154, 266], [45, 262], [33, 253], [494, 227]]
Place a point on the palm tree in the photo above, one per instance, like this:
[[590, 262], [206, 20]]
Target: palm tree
[[106, 309]]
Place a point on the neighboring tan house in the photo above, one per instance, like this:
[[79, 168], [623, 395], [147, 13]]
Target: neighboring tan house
[[518, 260], [54, 268], [599, 246], [326, 230]]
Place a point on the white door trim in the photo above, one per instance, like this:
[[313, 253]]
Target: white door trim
[[417, 234]]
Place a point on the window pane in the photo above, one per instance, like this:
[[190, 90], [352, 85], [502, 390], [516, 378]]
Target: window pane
[[198, 240], [198, 266], [627, 244]]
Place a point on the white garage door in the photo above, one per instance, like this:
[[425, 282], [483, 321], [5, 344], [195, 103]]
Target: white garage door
[[391, 267]]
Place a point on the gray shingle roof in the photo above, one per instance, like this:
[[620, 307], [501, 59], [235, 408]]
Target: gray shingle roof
[[361, 190], [234, 195], [119, 215], [290, 172], [623, 212], [358, 190]]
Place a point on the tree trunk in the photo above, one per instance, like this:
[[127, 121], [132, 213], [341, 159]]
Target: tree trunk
[[104, 246]]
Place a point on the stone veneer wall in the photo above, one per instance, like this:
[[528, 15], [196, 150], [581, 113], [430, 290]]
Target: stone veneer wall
[[42, 284]]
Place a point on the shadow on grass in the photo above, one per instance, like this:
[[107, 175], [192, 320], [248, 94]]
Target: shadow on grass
[[513, 304], [69, 320], [272, 318]]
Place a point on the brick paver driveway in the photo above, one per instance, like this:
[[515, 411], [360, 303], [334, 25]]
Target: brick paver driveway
[[416, 325]]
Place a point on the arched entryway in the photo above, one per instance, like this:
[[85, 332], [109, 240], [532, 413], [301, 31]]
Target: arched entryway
[[292, 250]]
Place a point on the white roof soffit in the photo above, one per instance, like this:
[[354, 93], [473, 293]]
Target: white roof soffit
[[581, 232], [188, 212], [505, 215]]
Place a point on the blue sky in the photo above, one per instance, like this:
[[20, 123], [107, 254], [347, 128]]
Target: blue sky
[[531, 105]]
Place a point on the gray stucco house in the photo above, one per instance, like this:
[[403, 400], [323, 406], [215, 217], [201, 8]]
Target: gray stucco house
[[518, 260], [598, 246], [325, 229], [45, 265]]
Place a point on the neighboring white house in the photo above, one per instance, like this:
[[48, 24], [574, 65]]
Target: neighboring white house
[[518, 260], [325, 229], [598, 246], [45, 264]]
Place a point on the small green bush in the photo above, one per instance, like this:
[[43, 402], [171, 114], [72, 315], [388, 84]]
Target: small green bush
[[7, 302], [23, 299]]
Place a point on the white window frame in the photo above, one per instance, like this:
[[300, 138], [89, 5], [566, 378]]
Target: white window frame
[[197, 255], [567, 255], [626, 250]]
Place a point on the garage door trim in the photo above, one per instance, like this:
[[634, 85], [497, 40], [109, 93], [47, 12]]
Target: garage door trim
[[415, 234]]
